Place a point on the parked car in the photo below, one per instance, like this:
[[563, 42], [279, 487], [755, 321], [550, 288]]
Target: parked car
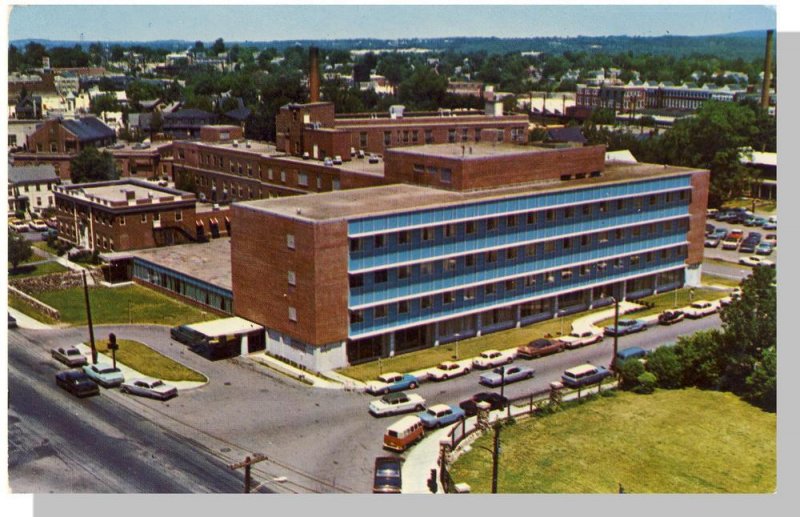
[[771, 238], [392, 381], [770, 225], [440, 415], [633, 352], [700, 308], [764, 249], [19, 225], [506, 375], [724, 215], [748, 246], [710, 229], [749, 221], [37, 225], [77, 383], [755, 236], [625, 327], [49, 233], [669, 317], [447, 370], [712, 242], [492, 358], [12, 321], [104, 374], [735, 295], [583, 375], [730, 242], [388, 477], [540, 348], [578, 339], [495, 400], [760, 221], [69, 355], [404, 433], [736, 233], [396, 403], [719, 233], [754, 261], [146, 387]]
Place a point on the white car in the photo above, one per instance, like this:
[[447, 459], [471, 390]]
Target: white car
[[69, 355], [447, 370], [578, 339], [396, 403], [37, 225], [147, 387], [699, 309], [492, 358], [20, 226], [754, 261]]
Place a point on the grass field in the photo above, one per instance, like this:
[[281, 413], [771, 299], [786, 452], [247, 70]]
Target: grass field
[[129, 304], [762, 205], [147, 361], [709, 279], [17, 303], [676, 441], [46, 268]]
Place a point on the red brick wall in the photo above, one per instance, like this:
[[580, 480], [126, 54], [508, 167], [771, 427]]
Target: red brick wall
[[215, 133], [52, 132], [261, 260], [289, 124], [329, 143], [697, 220]]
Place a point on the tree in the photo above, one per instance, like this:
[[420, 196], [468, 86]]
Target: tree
[[93, 165], [101, 103], [218, 47], [19, 249], [424, 90], [761, 385], [699, 354], [630, 371], [664, 364]]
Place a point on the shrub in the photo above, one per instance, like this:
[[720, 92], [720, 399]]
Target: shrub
[[647, 383], [630, 371], [664, 363]]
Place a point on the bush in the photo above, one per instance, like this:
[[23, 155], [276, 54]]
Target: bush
[[630, 371], [647, 383], [663, 362]]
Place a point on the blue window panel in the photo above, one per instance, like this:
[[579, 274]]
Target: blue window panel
[[416, 284], [195, 289], [599, 193], [459, 306]]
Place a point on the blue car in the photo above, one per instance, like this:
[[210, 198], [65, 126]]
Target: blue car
[[393, 381], [104, 374], [440, 415], [583, 375], [625, 327], [513, 373], [764, 249]]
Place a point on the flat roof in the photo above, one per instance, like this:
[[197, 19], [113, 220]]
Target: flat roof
[[209, 262], [471, 151], [117, 192], [225, 327], [370, 201], [256, 146]]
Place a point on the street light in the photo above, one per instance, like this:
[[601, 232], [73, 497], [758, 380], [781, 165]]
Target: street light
[[616, 332], [495, 451], [560, 314], [458, 338]]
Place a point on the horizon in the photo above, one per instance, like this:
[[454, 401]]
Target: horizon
[[282, 23]]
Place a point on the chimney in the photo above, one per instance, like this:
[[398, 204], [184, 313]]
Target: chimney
[[767, 70], [313, 75]]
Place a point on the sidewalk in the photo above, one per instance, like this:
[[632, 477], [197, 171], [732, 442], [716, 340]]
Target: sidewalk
[[26, 322]]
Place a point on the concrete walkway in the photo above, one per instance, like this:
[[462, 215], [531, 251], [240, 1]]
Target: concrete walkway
[[26, 322]]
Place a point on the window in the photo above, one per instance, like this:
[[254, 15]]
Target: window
[[530, 250], [283, 176], [403, 271], [379, 241], [425, 302], [511, 221], [469, 293], [447, 298], [403, 237], [122, 220], [356, 317], [651, 228], [603, 207], [585, 269], [511, 285], [414, 136], [335, 184], [355, 244], [380, 277], [491, 224], [362, 139], [566, 274], [402, 307], [319, 182], [634, 260], [602, 237], [290, 241], [464, 134], [418, 167], [550, 214], [387, 138], [426, 268], [356, 281], [550, 278], [617, 263], [618, 234], [664, 254], [302, 179], [428, 136], [449, 230], [636, 231], [667, 226], [569, 212], [669, 197], [491, 257], [144, 218], [449, 265], [531, 218], [469, 260], [566, 243], [292, 314], [584, 240], [432, 170], [427, 234], [650, 256], [488, 289], [380, 311], [269, 174], [549, 246], [511, 254], [637, 204], [652, 200], [291, 278], [446, 175], [470, 227], [620, 204], [451, 135], [586, 210], [530, 281]]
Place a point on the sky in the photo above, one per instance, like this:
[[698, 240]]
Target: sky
[[288, 22]]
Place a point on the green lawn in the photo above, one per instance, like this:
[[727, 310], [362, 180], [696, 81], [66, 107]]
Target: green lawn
[[17, 303], [42, 245], [147, 361], [726, 263], [709, 279], [129, 304], [678, 441], [762, 206], [466, 348], [32, 258], [666, 301], [38, 270]]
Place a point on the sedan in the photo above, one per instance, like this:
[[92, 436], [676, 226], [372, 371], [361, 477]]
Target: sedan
[[540, 348], [491, 358], [700, 308], [77, 383], [719, 233], [769, 225], [441, 414], [153, 388], [712, 242], [447, 370], [392, 381], [771, 238], [506, 375], [576, 339], [670, 317], [104, 374], [495, 400], [754, 261], [69, 355], [37, 225], [388, 476], [759, 221], [764, 249], [396, 403], [748, 246], [625, 327]]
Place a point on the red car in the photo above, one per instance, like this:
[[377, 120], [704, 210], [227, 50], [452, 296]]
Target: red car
[[540, 348]]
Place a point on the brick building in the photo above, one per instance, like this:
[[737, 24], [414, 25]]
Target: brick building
[[500, 238]]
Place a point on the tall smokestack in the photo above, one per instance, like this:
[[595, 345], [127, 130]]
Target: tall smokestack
[[313, 75], [767, 70]]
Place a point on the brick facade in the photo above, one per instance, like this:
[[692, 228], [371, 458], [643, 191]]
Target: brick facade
[[697, 222]]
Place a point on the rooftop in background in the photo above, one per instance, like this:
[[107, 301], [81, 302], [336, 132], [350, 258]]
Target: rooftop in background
[[365, 202], [255, 146], [88, 128], [470, 151], [207, 261], [117, 193], [31, 174]]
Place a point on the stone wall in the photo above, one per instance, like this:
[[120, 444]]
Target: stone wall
[[53, 282]]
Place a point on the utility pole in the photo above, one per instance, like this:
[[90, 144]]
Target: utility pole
[[248, 461], [89, 318], [616, 334], [495, 456]]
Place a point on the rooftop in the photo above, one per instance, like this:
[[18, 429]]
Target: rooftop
[[209, 262], [32, 174], [470, 151], [371, 201], [115, 193]]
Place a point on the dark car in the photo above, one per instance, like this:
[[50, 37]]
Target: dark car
[[670, 317], [77, 383], [12, 321], [710, 229], [540, 348], [724, 216], [756, 236], [748, 246], [388, 478], [495, 400]]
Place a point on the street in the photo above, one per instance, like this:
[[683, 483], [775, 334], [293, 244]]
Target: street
[[317, 440]]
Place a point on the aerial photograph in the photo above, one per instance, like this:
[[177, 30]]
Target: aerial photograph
[[391, 249]]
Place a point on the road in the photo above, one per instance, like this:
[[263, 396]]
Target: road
[[318, 440]]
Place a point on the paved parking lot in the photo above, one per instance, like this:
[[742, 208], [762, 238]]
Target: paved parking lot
[[735, 255]]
